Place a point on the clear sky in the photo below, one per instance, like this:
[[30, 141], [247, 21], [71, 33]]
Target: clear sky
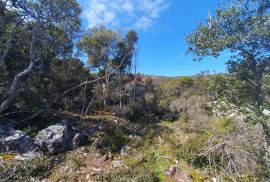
[[162, 26]]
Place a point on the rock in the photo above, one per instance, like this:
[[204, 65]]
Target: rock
[[172, 171], [103, 159], [96, 171], [54, 139], [136, 138], [87, 178], [27, 156], [95, 128], [159, 139], [117, 164], [126, 150], [140, 132], [80, 139], [266, 112], [183, 176], [64, 169], [16, 141]]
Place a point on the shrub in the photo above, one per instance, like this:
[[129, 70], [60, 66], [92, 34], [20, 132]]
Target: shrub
[[113, 139], [138, 174], [137, 112]]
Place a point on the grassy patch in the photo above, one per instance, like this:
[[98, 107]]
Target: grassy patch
[[24, 171]]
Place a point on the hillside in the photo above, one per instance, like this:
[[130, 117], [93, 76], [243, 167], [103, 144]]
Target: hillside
[[190, 143], [74, 107]]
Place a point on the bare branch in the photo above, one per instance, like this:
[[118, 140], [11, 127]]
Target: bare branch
[[100, 78], [88, 107], [14, 85]]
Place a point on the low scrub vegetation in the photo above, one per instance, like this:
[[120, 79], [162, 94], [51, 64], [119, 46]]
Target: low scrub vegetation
[[65, 118]]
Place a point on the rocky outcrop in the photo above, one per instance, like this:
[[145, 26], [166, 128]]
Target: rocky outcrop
[[14, 141], [55, 138]]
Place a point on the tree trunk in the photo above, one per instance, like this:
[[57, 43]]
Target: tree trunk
[[84, 98], [120, 85], [266, 130], [135, 74], [12, 92], [14, 85], [105, 86], [88, 107]]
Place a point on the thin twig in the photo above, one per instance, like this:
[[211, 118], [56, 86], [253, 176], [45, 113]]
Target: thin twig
[[100, 78]]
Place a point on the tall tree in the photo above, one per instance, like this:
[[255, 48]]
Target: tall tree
[[242, 28], [125, 62], [41, 20], [107, 50]]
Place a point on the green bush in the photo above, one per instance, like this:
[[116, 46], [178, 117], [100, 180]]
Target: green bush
[[113, 139], [138, 112], [191, 148]]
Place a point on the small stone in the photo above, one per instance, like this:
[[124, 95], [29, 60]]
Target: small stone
[[159, 139], [126, 150], [96, 171], [27, 156], [64, 169], [215, 179], [172, 171], [266, 112], [183, 176], [87, 177], [95, 128], [117, 164], [136, 138]]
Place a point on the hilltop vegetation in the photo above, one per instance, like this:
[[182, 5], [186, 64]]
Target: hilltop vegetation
[[103, 121]]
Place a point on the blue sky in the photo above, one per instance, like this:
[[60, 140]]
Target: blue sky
[[162, 25]]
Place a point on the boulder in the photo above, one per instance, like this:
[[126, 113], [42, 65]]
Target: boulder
[[80, 139], [14, 141], [55, 138]]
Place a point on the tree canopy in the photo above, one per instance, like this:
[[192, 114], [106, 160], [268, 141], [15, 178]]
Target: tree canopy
[[241, 27]]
